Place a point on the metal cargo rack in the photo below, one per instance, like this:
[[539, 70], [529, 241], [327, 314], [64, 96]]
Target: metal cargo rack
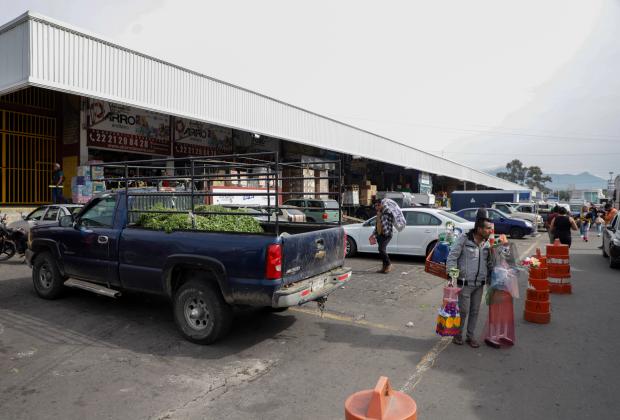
[[182, 184]]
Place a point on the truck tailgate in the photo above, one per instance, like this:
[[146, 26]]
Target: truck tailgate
[[308, 254]]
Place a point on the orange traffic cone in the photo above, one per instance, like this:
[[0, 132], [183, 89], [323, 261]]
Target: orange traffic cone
[[537, 306], [559, 268], [381, 403]]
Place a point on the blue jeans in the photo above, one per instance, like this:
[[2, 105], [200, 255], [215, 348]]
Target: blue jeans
[[57, 197], [585, 227]]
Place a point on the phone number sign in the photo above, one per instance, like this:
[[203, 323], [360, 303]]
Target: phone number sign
[[128, 142]]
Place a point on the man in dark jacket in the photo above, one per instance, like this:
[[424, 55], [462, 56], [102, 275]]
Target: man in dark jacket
[[471, 254]]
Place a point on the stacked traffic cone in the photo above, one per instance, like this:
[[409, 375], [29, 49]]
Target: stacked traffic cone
[[381, 403], [559, 268], [537, 305]]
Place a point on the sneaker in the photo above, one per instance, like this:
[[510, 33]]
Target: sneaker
[[458, 340], [387, 269], [598, 234]]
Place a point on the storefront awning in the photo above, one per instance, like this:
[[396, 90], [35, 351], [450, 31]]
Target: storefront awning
[[38, 51]]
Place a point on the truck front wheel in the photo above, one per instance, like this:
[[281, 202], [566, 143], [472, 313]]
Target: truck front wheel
[[46, 278], [200, 312]]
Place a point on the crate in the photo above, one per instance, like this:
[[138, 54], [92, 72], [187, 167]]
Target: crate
[[436, 269]]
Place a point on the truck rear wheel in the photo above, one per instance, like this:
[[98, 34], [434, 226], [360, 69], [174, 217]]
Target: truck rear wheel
[[46, 278], [200, 311]]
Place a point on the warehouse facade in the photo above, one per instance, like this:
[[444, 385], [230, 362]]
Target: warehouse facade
[[73, 97]]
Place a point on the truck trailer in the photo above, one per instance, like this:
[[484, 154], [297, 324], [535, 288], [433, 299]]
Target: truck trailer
[[466, 199]]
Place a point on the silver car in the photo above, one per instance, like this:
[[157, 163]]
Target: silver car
[[45, 215]]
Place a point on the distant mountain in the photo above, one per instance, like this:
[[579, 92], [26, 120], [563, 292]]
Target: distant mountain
[[582, 181]]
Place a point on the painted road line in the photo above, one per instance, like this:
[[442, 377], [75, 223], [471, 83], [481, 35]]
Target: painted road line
[[425, 364], [343, 318], [527, 252]]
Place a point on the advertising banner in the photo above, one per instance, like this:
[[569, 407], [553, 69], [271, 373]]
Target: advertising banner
[[121, 127], [194, 138]]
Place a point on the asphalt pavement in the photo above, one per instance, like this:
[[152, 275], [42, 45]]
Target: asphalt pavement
[[86, 356]]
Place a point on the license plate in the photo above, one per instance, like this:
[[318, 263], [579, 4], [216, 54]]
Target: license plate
[[318, 284]]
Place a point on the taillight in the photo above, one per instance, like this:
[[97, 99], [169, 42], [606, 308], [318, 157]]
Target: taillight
[[273, 267], [325, 216]]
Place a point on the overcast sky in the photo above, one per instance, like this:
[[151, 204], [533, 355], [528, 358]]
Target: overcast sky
[[479, 82]]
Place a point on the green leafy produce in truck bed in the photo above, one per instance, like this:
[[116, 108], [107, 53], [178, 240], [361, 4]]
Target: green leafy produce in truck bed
[[213, 222]]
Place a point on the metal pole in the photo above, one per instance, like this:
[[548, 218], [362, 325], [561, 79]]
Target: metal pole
[[126, 192], [340, 191], [277, 195], [191, 178]]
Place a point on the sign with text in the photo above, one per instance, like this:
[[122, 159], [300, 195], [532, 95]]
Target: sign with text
[[121, 127], [194, 138]]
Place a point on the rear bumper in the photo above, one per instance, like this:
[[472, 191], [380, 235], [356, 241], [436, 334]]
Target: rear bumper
[[311, 289]]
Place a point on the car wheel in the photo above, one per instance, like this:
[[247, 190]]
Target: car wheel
[[8, 250], [613, 263], [200, 312], [351, 247], [516, 233], [46, 278], [430, 247]]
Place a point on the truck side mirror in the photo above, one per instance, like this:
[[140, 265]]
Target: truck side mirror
[[66, 221]]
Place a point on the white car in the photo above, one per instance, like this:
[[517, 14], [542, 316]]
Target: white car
[[45, 215], [417, 238]]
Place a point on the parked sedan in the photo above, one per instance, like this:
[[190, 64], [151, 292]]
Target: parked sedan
[[504, 224], [45, 215], [611, 242], [417, 238]]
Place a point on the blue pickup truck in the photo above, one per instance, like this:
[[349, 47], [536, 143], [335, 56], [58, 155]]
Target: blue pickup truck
[[204, 273]]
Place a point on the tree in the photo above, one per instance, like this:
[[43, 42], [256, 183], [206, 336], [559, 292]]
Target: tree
[[535, 178], [564, 195], [515, 172]]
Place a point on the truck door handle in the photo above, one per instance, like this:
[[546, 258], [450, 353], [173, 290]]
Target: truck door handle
[[102, 240], [427, 231]]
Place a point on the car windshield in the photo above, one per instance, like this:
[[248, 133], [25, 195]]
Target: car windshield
[[502, 214], [331, 204], [507, 208], [575, 207], [454, 217], [73, 210]]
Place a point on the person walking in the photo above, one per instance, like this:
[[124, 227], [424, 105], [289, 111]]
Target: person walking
[[58, 177], [561, 227], [471, 254], [384, 228], [610, 213], [585, 222], [599, 222], [554, 212]]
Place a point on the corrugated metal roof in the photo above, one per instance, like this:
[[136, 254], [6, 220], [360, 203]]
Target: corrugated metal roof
[[53, 55]]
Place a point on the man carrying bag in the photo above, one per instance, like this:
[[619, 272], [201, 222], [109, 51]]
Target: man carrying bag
[[471, 254]]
